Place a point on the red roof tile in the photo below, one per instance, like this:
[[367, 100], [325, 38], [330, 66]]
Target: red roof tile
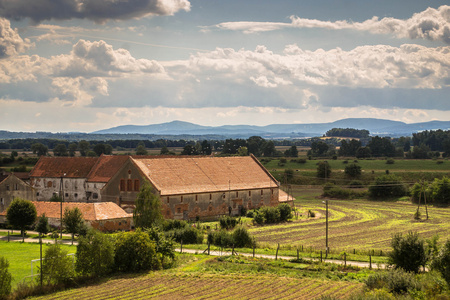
[[106, 167], [70, 167]]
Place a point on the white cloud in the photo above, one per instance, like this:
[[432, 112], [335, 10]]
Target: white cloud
[[431, 24], [11, 43]]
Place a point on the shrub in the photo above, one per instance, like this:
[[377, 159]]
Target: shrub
[[5, 278], [189, 235], [442, 262], [271, 214], [21, 213], [408, 252], [390, 161], [396, 281], [285, 212], [227, 222], [323, 169], [42, 225], [311, 214], [173, 224], [57, 266], [165, 248], [135, 252], [250, 214], [242, 238], [387, 186], [221, 238], [95, 254], [259, 218], [441, 190], [353, 170]]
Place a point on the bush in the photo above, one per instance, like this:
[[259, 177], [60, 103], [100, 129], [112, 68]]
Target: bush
[[442, 262], [95, 254], [323, 169], [42, 225], [285, 212], [135, 252], [271, 214], [387, 186], [189, 235], [221, 238], [250, 214], [259, 218], [390, 161], [165, 248], [57, 266], [242, 238], [173, 224], [408, 252], [5, 278], [396, 281], [353, 170], [227, 222]]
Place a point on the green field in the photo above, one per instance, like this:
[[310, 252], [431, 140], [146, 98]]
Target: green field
[[20, 255]]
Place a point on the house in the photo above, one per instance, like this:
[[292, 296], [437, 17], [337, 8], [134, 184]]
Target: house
[[203, 187], [189, 187], [12, 187], [105, 216], [76, 179]]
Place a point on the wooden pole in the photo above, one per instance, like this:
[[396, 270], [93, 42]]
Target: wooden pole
[[276, 255], [40, 242]]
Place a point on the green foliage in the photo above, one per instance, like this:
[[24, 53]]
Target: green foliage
[[102, 148], [442, 262], [408, 253], [148, 208], [334, 191], [242, 238], [39, 149], [440, 190], [323, 169], [291, 152], [189, 235], [288, 175], [60, 150], [5, 278], [42, 225], [57, 266], [173, 224], [21, 213], [227, 222], [348, 132], [135, 251], [390, 161], [353, 170], [73, 220], [95, 254], [140, 150], [387, 186], [285, 212], [270, 214], [165, 247], [396, 281], [239, 238]]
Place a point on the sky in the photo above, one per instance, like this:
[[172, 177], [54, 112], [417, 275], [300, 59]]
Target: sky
[[87, 65]]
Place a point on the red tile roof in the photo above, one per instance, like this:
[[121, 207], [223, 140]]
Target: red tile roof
[[69, 167], [106, 167], [195, 174], [91, 211]]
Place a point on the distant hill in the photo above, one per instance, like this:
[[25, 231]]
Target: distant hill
[[176, 130], [375, 127]]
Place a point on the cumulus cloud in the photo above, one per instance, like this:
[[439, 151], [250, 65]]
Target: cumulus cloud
[[10, 41], [431, 24], [96, 10]]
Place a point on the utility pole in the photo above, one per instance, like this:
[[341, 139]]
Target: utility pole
[[61, 189]]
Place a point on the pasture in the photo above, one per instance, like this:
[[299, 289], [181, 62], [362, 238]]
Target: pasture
[[359, 225]]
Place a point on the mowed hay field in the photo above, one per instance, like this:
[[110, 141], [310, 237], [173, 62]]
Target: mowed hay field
[[192, 281], [353, 224]]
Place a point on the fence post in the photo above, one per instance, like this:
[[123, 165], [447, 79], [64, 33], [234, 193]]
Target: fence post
[[370, 262], [320, 255], [298, 256], [232, 250], [8, 235], [345, 259], [209, 244], [254, 246], [181, 246], [276, 255]]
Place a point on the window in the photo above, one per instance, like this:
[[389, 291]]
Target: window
[[272, 191], [167, 199], [179, 210], [2, 202], [249, 193], [95, 196], [181, 199], [196, 197], [76, 195], [136, 185], [16, 186], [261, 192], [237, 194], [66, 195], [129, 185], [210, 196], [122, 185], [7, 187]]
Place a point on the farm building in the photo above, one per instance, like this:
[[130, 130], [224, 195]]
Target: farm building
[[188, 186], [12, 187], [104, 216]]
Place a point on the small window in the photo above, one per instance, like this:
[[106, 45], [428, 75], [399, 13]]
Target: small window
[[17, 186], [136, 185], [66, 195], [196, 197], [129, 185], [37, 194], [237, 194], [262, 192], [122, 185], [249, 193], [95, 196], [75, 195], [167, 199], [179, 210], [223, 195], [7, 187], [273, 191], [210, 196], [181, 198], [2, 202], [129, 172]]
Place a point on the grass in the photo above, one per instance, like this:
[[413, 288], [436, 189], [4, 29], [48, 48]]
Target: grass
[[205, 277], [20, 255]]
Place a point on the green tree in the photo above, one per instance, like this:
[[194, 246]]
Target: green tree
[[95, 254], [39, 149], [57, 266], [408, 252], [319, 148], [323, 169], [42, 225], [291, 152], [242, 151], [164, 151], [148, 208], [102, 148], [206, 148], [442, 262], [269, 149], [73, 220], [21, 213], [5, 278], [353, 170], [189, 150], [135, 252], [165, 247], [140, 150], [84, 147], [73, 147], [363, 152], [387, 186], [60, 150], [441, 190]]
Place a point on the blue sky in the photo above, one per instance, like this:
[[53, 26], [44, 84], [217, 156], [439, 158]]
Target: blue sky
[[85, 65]]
